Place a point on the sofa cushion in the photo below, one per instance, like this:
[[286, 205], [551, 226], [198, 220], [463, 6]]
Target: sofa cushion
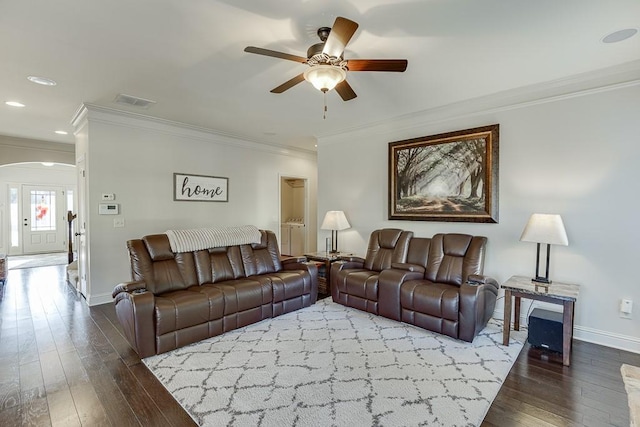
[[386, 246], [433, 306], [151, 263], [180, 309], [453, 257], [360, 283], [243, 294], [287, 284], [217, 265], [263, 257]]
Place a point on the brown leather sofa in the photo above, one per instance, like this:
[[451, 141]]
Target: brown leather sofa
[[438, 285], [180, 298]]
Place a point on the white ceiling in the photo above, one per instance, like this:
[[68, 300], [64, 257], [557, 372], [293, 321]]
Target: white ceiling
[[188, 57]]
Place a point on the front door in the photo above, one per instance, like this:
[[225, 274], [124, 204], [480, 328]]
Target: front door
[[43, 226]]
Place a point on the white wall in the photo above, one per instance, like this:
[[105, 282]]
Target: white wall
[[135, 157], [572, 155], [21, 150]]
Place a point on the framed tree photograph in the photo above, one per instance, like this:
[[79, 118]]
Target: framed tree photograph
[[446, 177]]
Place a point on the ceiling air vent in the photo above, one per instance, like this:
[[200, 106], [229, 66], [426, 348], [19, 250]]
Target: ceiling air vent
[[133, 101]]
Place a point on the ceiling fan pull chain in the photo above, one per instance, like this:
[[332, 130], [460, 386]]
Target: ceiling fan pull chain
[[324, 96]]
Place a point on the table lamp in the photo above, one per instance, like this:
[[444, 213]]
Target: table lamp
[[544, 228], [334, 221]]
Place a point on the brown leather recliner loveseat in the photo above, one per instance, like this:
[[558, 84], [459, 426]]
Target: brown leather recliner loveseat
[[434, 283], [179, 298]]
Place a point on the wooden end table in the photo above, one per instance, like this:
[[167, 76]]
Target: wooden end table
[[564, 294], [327, 258]]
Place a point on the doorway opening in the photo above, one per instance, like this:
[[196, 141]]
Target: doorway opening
[[293, 215]]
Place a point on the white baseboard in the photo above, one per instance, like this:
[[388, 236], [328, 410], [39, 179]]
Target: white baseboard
[[594, 336], [99, 299], [608, 339]]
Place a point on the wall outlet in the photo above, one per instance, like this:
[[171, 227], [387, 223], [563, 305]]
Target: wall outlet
[[118, 222], [626, 308], [108, 196]]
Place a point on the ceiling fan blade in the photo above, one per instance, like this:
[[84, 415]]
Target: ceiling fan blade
[[397, 65], [275, 54], [345, 91], [288, 84], [341, 32]]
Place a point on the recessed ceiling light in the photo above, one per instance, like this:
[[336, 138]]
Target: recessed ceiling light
[[620, 35], [61, 132], [42, 80], [47, 163], [14, 104]]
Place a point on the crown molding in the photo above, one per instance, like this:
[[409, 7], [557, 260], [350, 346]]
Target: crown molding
[[612, 78], [98, 113]]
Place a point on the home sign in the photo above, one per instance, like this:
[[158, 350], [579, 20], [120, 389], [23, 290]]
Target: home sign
[[200, 188]]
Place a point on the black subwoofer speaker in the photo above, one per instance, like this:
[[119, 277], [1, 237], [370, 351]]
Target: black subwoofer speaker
[[545, 329]]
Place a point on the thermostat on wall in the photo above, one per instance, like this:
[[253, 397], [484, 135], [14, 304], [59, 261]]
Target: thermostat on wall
[[108, 209]]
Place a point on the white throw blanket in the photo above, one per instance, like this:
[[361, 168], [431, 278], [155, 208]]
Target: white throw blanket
[[203, 238]]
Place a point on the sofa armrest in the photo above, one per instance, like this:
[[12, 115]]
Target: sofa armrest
[[134, 309], [355, 259], [408, 267], [389, 283], [477, 302], [478, 279], [293, 259], [129, 287], [301, 263]]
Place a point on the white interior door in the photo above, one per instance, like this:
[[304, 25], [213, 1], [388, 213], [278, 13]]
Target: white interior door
[[43, 226]]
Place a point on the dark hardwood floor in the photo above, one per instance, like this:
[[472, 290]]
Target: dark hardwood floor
[[62, 363]]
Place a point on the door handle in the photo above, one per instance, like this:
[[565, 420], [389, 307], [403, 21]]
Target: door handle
[[78, 234]]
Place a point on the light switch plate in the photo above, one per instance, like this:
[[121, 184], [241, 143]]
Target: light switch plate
[[108, 196], [118, 222]]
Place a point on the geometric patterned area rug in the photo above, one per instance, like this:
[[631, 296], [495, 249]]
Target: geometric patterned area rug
[[330, 365]]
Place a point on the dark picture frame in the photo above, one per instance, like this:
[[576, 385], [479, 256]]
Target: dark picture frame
[[450, 176], [200, 188]]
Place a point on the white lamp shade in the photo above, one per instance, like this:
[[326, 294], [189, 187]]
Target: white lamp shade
[[335, 220], [324, 77], [545, 228]]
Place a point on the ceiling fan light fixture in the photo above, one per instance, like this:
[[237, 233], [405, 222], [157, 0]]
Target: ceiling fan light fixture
[[325, 77]]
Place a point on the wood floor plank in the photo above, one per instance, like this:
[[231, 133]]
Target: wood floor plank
[[171, 409], [64, 363]]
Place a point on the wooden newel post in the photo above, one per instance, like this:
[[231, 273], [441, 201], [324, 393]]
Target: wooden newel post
[[70, 217]]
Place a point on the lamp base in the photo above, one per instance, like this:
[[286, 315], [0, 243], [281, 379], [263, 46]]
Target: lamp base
[[542, 280]]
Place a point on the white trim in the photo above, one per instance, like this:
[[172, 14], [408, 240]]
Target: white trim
[[622, 76], [121, 118], [595, 336], [608, 339], [99, 299]]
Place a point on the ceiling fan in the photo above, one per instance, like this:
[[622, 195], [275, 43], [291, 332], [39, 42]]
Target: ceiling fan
[[327, 68]]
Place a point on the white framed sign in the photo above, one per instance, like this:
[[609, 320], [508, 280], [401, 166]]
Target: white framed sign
[[200, 188]]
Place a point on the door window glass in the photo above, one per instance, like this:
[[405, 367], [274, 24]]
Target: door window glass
[[15, 222], [43, 210]]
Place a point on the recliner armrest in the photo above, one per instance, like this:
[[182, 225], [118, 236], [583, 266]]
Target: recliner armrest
[[389, 283], [293, 259], [408, 267], [129, 287], [477, 302], [300, 264], [355, 259], [135, 313], [479, 279]]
